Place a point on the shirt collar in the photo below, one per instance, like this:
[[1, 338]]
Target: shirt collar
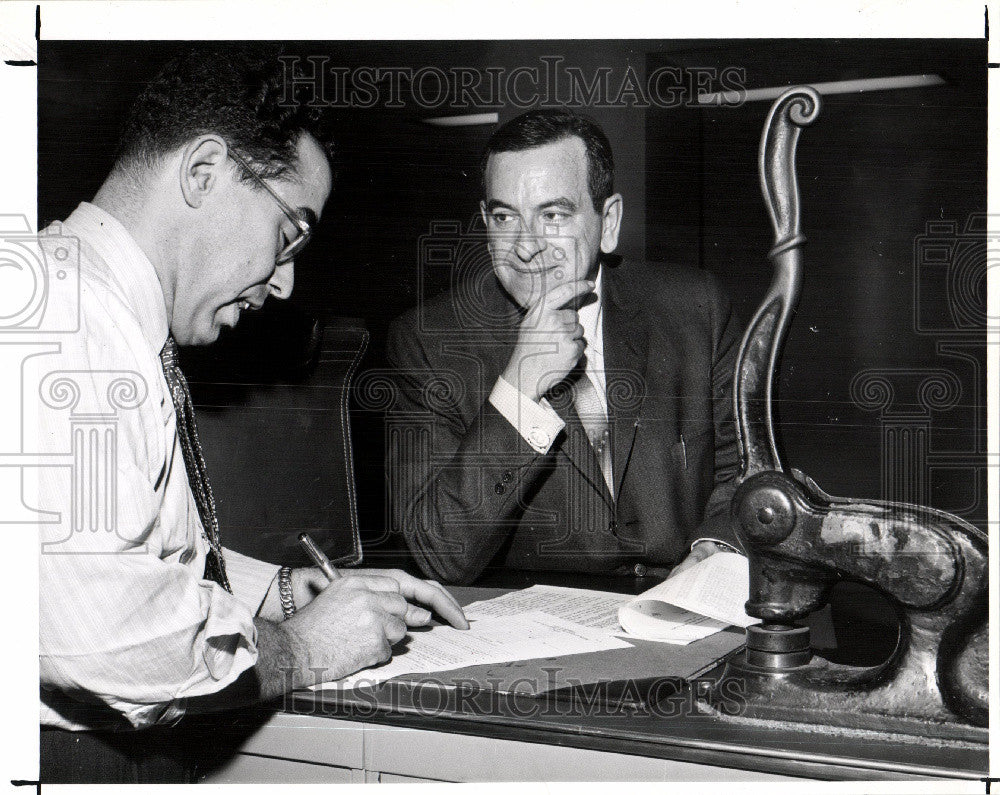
[[128, 265], [591, 317]]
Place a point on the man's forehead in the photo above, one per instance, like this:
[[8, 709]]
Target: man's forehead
[[311, 181], [562, 161]]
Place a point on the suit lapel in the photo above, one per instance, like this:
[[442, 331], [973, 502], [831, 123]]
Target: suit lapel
[[626, 354]]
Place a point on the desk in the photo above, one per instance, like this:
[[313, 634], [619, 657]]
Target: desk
[[404, 733]]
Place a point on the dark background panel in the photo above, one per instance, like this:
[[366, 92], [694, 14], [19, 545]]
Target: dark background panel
[[875, 170]]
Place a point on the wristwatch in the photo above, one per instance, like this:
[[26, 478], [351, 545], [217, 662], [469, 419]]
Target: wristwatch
[[285, 591]]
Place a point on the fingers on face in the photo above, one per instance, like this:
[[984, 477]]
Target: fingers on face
[[568, 317], [558, 296]]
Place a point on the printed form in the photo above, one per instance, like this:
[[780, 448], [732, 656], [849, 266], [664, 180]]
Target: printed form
[[525, 636], [594, 609]]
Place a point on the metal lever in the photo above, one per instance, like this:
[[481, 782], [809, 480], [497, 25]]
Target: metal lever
[[757, 359]]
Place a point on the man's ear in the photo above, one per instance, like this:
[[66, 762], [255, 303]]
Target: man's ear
[[203, 163], [611, 222]]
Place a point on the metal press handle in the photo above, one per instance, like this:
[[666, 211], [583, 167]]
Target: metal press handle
[[757, 359]]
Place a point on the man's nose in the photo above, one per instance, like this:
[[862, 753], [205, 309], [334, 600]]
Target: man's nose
[[528, 244], [282, 280]]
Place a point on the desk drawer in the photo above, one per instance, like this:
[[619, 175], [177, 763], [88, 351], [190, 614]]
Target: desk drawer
[[253, 769], [309, 738], [459, 757]]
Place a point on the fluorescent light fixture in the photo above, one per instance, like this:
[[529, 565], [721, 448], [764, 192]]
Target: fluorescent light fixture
[[835, 87], [467, 120]]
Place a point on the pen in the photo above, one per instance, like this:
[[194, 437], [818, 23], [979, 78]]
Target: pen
[[317, 556]]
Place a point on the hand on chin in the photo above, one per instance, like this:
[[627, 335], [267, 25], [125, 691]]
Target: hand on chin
[[525, 287]]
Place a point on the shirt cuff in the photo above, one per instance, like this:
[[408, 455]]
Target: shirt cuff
[[250, 578], [537, 423]]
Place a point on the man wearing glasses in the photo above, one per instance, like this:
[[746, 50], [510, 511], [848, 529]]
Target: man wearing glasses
[[215, 190]]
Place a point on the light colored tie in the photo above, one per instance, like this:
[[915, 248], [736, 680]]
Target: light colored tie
[[594, 419], [194, 463]]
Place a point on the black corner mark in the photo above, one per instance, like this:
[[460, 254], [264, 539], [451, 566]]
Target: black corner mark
[[38, 32], [36, 784], [988, 782]]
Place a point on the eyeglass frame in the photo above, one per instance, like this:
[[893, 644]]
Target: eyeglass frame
[[293, 247]]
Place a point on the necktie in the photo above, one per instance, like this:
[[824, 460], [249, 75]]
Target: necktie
[[194, 463], [594, 419]]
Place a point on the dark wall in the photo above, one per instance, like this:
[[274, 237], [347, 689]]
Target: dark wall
[[875, 170], [889, 181], [397, 176]]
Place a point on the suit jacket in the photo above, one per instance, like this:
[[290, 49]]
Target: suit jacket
[[468, 491]]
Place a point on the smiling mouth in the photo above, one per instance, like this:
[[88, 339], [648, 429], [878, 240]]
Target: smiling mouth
[[554, 270]]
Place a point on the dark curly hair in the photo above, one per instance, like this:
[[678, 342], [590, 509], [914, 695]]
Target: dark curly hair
[[239, 93], [545, 126]]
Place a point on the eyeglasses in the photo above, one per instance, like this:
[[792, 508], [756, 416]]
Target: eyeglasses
[[295, 246]]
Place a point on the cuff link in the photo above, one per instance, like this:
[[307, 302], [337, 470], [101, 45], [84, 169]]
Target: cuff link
[[538, 439]]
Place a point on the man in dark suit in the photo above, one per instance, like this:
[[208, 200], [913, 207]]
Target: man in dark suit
[[560, 411]]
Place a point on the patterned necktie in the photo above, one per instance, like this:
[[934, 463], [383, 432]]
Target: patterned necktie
[[594, 419], [194, 463]]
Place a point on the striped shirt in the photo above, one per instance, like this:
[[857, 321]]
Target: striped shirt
[[128, 629]]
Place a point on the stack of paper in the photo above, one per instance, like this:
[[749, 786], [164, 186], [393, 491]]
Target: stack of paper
[[595, 609], [700, 601], [525, 636]]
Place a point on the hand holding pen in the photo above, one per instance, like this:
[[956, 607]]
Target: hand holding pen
[[317, 557], [412, 589]]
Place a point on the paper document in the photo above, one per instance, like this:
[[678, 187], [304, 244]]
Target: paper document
[[698, 602], [596, 609], [525, 636]]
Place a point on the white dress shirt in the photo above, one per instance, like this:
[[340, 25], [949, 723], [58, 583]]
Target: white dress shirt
[[538, 423], [125, 619]]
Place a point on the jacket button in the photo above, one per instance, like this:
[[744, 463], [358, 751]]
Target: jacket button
[[507, 476], [613, 526], [499, 488], [639, 570]]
